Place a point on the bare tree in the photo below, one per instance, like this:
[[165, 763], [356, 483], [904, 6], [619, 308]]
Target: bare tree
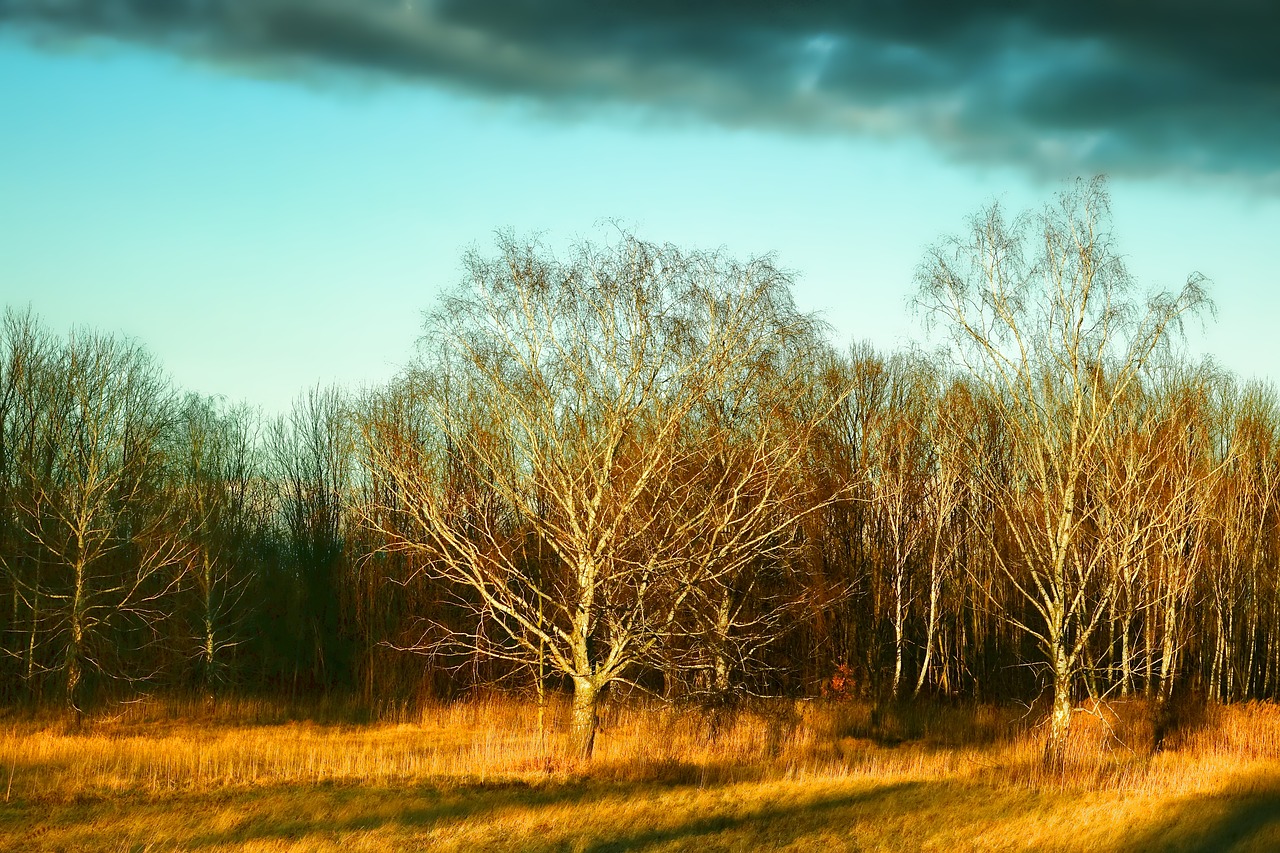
[[216, 474], [97, 506], [1244, 503], [735, 616], [561, 482], [1040, 312], [844, 533], [897, 479], [944, 500], [311, 460], [25, 460]]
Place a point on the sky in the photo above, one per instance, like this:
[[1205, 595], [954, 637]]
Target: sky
[[270, 193]]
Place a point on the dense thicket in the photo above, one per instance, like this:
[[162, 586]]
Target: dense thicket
[[645, 467]]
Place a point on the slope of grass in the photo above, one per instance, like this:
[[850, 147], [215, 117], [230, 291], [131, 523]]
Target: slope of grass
[[479, 775]]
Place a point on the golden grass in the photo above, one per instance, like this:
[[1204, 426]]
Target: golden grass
[[478, 775]]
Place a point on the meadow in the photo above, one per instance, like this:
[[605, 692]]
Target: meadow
[[483, 774]]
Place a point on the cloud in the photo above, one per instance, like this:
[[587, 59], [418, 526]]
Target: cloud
[[1133, 87]]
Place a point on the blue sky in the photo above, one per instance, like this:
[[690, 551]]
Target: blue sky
[[266, 224]]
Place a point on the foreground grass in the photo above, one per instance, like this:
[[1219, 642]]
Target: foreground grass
[[478, 776]]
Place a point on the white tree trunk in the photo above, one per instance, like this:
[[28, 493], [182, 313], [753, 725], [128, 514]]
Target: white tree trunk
[[1060, 715], [584, 721]]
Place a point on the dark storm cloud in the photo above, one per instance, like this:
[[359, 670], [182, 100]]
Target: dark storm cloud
[[1120, 85]]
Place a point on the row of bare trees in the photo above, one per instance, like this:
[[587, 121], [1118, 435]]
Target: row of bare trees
[[148, 536], [639, 466]]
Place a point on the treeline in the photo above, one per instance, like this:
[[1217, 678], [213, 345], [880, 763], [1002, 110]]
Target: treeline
[[642, 466]]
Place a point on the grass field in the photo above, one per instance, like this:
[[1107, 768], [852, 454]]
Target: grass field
[[478, 775]]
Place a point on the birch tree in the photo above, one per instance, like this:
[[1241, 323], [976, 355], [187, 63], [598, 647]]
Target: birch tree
[[560, 482], [897, 486], [1041, 311], [944, 500]]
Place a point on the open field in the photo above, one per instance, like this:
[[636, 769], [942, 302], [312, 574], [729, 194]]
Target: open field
[[477, 776]]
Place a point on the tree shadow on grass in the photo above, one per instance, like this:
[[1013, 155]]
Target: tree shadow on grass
[[293, 810], [1249, 821], [443, 806], [426, 807], [762, 822], [411, 807], [281, 812], [1243, 825]]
